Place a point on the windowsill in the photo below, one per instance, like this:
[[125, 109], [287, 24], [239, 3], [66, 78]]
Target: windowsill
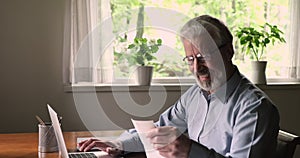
[[89, 87], [124, 87], [280, 85]]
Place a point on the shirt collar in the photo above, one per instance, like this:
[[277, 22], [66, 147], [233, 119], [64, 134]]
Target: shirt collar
[[225, 91]]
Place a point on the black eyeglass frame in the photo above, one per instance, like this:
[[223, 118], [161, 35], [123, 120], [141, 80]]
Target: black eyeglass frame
[[200, 58]]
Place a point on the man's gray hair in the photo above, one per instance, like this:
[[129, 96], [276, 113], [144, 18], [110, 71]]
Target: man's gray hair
[[206, 27]]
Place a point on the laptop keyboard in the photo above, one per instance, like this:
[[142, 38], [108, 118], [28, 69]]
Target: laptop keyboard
[[82, 155]]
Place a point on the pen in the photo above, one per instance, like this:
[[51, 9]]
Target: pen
[[40, 120]]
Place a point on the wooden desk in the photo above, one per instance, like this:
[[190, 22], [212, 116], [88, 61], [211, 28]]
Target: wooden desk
[[25, 145]]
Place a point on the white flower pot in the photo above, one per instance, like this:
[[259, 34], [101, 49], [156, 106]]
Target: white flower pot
[[143, 75], [259, 72]]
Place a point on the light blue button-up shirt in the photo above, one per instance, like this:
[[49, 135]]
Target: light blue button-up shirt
[[237, 121]]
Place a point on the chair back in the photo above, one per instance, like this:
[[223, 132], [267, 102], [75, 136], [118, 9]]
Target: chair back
[[286, 144]]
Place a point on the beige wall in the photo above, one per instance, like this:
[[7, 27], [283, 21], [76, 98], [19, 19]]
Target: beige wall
[[31, 42]]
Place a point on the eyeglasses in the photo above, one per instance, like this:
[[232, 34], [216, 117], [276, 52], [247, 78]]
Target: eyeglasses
[[200, 58]]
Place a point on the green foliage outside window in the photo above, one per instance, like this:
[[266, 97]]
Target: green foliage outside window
[[140, 52], [234, 13], [255, 41]]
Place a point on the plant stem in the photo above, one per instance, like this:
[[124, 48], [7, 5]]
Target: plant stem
[[262, 52], [255, 54]]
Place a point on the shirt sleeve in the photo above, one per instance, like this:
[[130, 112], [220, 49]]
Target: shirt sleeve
[[254, 134], [131, 141], [255, 131], [173, 116]]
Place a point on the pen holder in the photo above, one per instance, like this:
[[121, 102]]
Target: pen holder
[[47, 138]]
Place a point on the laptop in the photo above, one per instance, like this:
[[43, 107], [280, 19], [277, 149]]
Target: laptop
[[61, 142]]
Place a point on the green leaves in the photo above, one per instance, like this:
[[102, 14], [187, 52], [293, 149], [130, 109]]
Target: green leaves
[[255, 41], [140, 52], [131, 46]]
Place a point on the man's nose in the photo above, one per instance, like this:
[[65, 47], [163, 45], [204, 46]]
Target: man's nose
[[198, 62], [195, 65]]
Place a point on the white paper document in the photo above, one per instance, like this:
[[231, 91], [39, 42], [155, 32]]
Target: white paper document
[[142, 128]]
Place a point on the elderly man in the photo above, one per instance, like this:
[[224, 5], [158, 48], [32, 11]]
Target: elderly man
[[223, 115]]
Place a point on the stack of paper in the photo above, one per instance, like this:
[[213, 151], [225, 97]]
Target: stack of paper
[[142, 128]]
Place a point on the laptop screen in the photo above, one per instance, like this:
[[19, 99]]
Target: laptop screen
[[58, 132]]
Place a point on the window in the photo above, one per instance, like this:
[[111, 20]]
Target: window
[[126, 23]]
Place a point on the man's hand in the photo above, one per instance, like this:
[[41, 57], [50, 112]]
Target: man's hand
[[170, 142], [112, 148]]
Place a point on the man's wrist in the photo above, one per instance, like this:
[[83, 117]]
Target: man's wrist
[[117, 144]]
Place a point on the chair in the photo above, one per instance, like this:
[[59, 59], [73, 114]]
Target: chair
[[286, 144]]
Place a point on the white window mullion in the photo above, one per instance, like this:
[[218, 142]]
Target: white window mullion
[[294, 38], [105, 65]]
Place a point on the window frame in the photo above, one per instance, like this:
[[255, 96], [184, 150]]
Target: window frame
[[190, 80]]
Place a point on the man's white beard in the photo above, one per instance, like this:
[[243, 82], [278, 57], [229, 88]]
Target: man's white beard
[[216, 81]]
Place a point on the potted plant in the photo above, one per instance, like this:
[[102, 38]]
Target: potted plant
[[254, 42], [140, 53]]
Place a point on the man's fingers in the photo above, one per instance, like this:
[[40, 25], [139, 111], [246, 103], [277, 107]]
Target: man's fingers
[[164, 153], [160, 146], [89, 146], [90, 143], [113, 151], [84, 144], [161, 131], [80, 143], [86, 141], [106, 146], [166, 139], [164, 150]]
